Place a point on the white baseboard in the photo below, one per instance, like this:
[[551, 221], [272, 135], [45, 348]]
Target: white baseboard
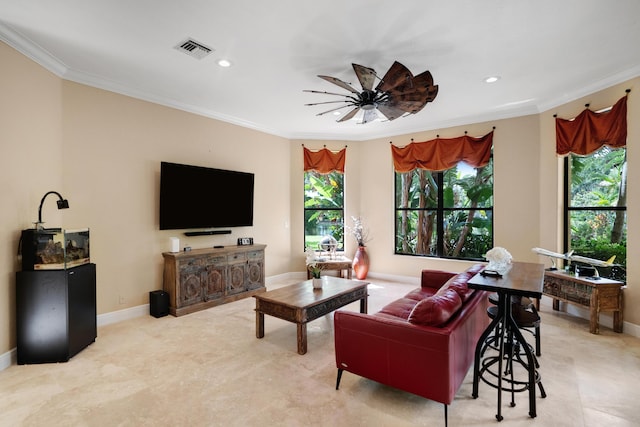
[[9, 358]]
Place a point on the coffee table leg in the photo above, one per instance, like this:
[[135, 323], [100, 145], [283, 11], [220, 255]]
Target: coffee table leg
[[302, 338], [363, 305], [259, 324]]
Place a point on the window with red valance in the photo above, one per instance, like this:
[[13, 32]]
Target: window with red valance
[[444, 197], [443, 153], [595, 186], [324, 161], [590, 130], [324, 198]]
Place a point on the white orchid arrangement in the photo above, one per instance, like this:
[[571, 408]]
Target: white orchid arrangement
[[312, 262], [359, 232]]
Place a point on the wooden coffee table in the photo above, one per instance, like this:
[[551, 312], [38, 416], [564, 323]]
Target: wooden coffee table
[[301, 303]]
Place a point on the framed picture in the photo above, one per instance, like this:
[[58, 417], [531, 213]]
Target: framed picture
[[243, 241]]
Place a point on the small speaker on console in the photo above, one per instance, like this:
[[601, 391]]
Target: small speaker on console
[[158, 303]]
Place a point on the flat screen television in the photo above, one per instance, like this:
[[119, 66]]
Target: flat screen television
[[201, 197]]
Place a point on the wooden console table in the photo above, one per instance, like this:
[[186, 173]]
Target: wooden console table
[[596, 294], [339, 263]]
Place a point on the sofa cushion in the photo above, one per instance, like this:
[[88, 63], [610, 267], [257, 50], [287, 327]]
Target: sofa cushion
[[458, 284], [400, 308], [421, 293], [436, 310]]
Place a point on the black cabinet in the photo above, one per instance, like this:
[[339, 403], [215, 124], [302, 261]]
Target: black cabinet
[[55, 313]]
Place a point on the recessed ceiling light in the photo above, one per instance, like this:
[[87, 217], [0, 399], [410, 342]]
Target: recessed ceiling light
[[336, 113], [491, 79], [224, 63]]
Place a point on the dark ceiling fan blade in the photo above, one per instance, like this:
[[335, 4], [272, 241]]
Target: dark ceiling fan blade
[[369, 116], [349, 115], [396, 76], [390, 112], [333, 109], [366, 76], [343, 101], [340, 83], [421, 87], [328, 93], [415, 96], [423, 79], [407, 106]]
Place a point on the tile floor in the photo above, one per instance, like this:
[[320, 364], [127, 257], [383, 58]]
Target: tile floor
[[208, 369]]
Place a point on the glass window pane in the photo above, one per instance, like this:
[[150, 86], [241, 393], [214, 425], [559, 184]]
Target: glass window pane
[[596, 179], [415, 239], [599, 234], [324, 210], [465, 186], [323, 191], [467, 233], [322, 223], [416, 189]]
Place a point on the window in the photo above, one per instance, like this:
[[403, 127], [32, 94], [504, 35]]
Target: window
[[595, 208], [323, 208], [445, 214]]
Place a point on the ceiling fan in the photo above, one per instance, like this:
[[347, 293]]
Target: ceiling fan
[[398, 93]]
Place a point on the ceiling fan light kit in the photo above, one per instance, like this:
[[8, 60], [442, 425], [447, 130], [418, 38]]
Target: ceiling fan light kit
[[397, 94]]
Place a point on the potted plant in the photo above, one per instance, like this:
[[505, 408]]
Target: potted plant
[[313, 267]]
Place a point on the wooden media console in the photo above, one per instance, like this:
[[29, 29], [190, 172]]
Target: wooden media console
[[203, 278]]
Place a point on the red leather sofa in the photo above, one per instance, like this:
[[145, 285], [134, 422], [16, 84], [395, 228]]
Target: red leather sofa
[[422, 343]]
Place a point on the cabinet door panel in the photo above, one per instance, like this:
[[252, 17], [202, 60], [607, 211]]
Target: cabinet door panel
[[42, 327], [82, 307], [190, 284], [235, 277], [214, 282], [255, 275]]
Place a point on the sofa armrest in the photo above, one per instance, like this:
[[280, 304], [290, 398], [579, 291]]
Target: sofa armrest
[[435, 278]]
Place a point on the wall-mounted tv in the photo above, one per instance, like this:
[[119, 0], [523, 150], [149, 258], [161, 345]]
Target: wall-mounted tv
[[201, 197]]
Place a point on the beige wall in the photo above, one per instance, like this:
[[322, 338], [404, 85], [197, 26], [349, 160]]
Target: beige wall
[[102, 151], [30, 165], [113, 146]]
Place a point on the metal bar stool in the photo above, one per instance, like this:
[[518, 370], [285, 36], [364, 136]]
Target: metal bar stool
[[526, 322]]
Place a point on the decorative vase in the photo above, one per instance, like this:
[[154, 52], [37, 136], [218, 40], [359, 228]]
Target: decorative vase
[[317, 282], [361, 263]]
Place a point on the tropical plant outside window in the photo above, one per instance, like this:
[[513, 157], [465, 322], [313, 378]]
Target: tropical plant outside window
[[445, 214], [323, 208], [595, 214]]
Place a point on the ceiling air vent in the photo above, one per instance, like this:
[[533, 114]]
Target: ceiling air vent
[[193, 48]]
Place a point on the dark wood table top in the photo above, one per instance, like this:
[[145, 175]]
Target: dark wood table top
[[303, 294], [523, 278]]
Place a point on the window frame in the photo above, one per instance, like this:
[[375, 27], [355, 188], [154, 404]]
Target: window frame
[[568, 208], [341, 242], [441, 213]]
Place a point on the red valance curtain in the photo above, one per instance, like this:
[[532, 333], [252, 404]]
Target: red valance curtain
[[324, 161], [443, 153], [589, 131]]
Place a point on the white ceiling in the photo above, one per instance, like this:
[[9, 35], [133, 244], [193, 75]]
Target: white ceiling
[[547, 52]]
